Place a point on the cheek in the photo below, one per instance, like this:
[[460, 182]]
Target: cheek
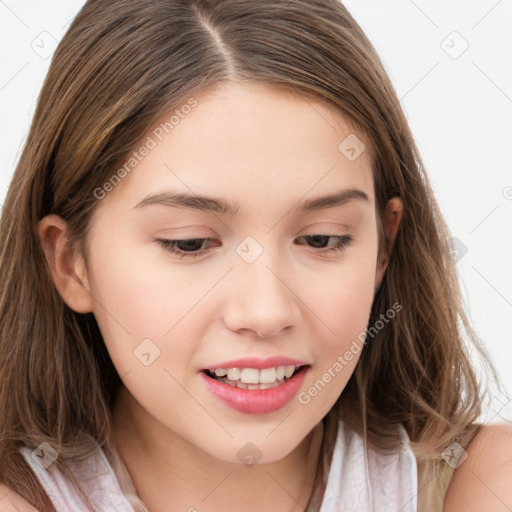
[[136, 286], [342, 300], [345, 300], [343, 297], [140, 297]]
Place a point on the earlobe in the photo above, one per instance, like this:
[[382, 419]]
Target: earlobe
[[391, 221], [66, 265]]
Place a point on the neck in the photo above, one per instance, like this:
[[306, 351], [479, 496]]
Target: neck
[[169, 473]]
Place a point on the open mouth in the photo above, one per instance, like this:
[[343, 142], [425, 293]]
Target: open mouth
[[252, 378]]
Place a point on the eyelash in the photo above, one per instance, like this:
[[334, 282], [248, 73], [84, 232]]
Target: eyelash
[[343, 241]]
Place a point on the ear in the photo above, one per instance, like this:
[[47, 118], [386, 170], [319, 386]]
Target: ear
[[66, 264], [391, 221]]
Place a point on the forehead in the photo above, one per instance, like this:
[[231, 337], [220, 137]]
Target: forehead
[[258, 142]]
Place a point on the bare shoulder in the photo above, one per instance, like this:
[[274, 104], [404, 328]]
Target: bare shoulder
[[12, 502], [483, 481]]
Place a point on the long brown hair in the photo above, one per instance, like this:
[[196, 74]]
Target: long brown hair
[[120, 66]]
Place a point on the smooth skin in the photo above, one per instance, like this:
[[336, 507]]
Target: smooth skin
[[268, 150]]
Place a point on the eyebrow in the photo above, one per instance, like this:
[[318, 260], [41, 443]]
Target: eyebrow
[[217, 205]]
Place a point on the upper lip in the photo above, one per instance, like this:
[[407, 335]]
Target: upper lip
[[258, 363]]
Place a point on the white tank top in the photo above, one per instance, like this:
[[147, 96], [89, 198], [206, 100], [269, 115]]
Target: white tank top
[[377, 483]]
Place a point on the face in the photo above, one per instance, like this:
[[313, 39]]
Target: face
[[183, 285]]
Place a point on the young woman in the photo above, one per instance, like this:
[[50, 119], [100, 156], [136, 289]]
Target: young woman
[[226, 283]]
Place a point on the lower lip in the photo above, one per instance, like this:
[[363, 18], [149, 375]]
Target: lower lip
[[256, 401]]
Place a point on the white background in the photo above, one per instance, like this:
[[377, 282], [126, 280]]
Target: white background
[[459, 109]]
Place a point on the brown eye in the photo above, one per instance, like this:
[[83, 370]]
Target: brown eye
[[186, 247], [321, 241]]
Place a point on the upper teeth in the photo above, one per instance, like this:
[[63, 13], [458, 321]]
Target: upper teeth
[[255, 376]]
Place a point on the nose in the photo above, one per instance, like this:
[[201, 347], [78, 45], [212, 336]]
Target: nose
[[263, 302]]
